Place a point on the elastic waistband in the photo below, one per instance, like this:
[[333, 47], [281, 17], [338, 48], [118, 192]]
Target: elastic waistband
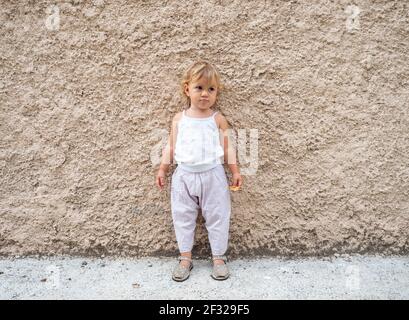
[[201, 168]]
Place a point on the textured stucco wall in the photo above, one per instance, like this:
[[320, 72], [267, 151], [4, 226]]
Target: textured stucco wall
[[86, 87]]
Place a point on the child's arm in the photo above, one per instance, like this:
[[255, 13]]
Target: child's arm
[[167, 153], [229, 151]]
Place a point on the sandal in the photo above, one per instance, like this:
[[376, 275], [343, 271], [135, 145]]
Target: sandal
[[220, 271], [181, 273]]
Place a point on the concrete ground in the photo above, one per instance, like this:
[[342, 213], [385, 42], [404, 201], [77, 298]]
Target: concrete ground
[[338, 277]]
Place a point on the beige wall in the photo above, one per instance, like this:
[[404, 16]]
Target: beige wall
[[86, 87]]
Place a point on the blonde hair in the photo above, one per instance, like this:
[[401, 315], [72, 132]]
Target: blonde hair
[[196, 71]]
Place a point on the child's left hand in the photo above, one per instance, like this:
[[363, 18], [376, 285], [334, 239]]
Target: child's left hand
[[237, 180]]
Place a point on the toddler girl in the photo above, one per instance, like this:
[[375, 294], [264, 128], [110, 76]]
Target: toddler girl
[[199, 143]]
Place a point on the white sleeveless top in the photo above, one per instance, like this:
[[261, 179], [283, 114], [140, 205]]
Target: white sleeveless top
[[198, 144]]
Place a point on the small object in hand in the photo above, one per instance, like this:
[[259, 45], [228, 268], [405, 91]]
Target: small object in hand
[[234, 188]]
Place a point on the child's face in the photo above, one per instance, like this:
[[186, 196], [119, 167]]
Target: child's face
[[202, 93]]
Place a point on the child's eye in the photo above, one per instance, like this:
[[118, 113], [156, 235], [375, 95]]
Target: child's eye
[[211, 89], [199, 87]]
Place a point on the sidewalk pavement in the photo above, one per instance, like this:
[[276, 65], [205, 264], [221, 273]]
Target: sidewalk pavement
[[336, 277]]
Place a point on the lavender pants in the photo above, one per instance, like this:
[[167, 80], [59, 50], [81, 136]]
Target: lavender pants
[[209, 191]]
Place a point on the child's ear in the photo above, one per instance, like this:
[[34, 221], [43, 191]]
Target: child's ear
[[186, 89]]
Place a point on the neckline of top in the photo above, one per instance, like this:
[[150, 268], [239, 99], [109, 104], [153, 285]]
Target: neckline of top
[[184, 114]]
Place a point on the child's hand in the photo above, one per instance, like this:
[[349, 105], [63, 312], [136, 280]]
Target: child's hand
[[237, 180], [160, 179]]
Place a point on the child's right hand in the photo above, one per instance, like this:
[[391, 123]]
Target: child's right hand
[[160, 179]]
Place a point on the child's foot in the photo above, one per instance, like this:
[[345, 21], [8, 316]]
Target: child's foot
[[185, 263], [182, 269], [220, 269], [218, 261]]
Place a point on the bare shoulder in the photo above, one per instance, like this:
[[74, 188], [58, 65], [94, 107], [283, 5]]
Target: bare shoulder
[[177, 117], [221, 120]]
